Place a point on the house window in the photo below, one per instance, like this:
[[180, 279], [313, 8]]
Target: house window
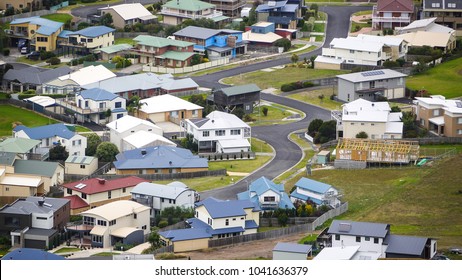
[[451, 5], [194, 113], [124, 190], [82, 166], [83, 40], [205, 133], [269, 198], [11, 221], [358, 238], [118, 104], [376, 240], [109, 195], [7, 189], [352, 51], [113, 222], [76, 142], [337, 237], [144, 227], [220, 132], [90, 40], [459, 131], [227, 222], [102, 223], [83, 195], [135, 216], [235, 132], [362, 123], [97, 239], [436, 112], [367, 238], [162, 199], [41, 218], [69, 191], [89, 221], [435, 5], [459, 120]]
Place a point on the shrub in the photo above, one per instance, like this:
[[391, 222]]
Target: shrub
[[287, 87], [248, 118], [6, 52], [162, 224], [391, 64], [265, 111], [46, 55], [54, 61], [362, 135], [307, 84]]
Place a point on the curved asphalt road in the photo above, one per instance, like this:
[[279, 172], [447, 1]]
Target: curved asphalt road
[[287, 153]]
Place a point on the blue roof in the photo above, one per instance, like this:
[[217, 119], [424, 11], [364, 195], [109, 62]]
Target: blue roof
[[97, 94], [65, 34], [266, 7], [226, 208], [46, 131], [262, 185], [303, 197], [250, 224], [312, 185], [31, 254], [47, 27], [285, 202], [159, 157], [119, 110], [93, 31], [227, 230], [290, 8], [186, 234]]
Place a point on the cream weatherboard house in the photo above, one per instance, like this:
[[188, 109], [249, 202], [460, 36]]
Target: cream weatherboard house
[[81, 165], [128, 14]]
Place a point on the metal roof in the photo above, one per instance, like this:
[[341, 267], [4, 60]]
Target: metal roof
[[96, 185], [116, 209], [31, 205], [47, 27], [88, 75], [130, 11], [32, 75], [373, 75], [312, 185], [170, 191], [160, 42], [270, 5], [353, 43], [80, 159], [359, 228], [18, 145], [115, 48], [395, 6], [46, 131], [181, 56], [144, 138], [166, 103], [292, 248], [97, 94], [226, 208], [128, 122], [93, 31], [219, 120], [36, 167], [197, 32], [406, 245], [31, 254], [186, 234], [41, 100], [243, 89], [7, 158], [188, 5]]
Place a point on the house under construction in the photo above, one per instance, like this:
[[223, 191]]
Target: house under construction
[[377, 151]]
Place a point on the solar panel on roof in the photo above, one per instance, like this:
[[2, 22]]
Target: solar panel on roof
[[344, 227], [372, 73]]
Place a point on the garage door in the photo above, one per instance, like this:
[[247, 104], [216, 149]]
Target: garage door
[[37, 244], [160, 117]]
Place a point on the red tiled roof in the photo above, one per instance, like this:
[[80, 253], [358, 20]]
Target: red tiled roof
[[76, 202], [96, 185], [395, 6]]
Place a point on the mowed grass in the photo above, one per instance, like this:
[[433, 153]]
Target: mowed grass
[[312, 97], [415, 201], [278, 77], [59, 17], [444, 79], [67, 250], [10, 114], [206, 183], [245, 165], [275, 115], [259, 146], [119, 41]]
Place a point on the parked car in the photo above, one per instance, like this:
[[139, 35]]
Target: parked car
[[33, 55], [455, 250], [440, 257], [24, 50]]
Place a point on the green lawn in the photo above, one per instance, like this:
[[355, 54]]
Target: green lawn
[[276, 114], [23, 59], [319, 27], [105, 254], [276, 78], [258, 146], [58, 17], [444, 79], [415, 201], [363, 13], [12, 114], [312, 97], [79, 128], [207, 183], [357, 26], [246, 166], [67, 250], [129, 41]]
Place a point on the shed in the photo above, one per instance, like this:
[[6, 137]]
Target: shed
[[81, 165], [291, 251], [323, 157]]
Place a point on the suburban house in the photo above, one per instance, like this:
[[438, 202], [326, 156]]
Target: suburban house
[[447, 13], [267, 194], [143, 139], [164, 52], [168, 111], [41, 34], [244, 96], [376, 241], [42, 103], [128, 14], [398, 47], [107, 53], [158, 197], [388, 14], [218, 43], [373, 118], [177, 11], [261, 34], [51, 173], [129, 125], [94, 192], [73, 82], [52, 135], [31, 78], [283, 13], [308, 190], [291, 251], [23, 148], [445, 41], [219, 132], [20, 4], [34, 222], [146, 85], [158, 160], [81, 165], [122, 221], [17, 185], [214, 219], [87, 40], [439, 115], [231, 8], [371, 85]]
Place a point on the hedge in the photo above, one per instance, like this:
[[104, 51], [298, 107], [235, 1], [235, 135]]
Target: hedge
[[296, 85]]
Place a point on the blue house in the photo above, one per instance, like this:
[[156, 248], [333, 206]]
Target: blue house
[[267, 194], [158, 159], [217, 42], [283, 13], [316, 192]]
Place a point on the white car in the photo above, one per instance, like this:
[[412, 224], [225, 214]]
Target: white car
[[24, 50]]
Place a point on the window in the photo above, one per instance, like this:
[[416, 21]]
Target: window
[[118, 104], [227, 222], [436, 112], [235, 132], [109, 195], [205, 133], [358, 238], [135, 216], [113, 222], [162, 199], [90, 40], [82, 166], [242, 218], [97, 239], [459, 131], [362, 123], [83, 40], [269, 198], [7, 189], [367, 238], [220, 132], [69, 191], [124, 190], [436, 5], [102, 223], [144, 227], [76, 142], [352, 51], [83, 195], [459, 120], [89, 221], [376, 240], [41, 218], [337, 237]]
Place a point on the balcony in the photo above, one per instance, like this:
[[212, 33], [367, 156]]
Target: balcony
[[71, 105], [376, 18], [176, 13]]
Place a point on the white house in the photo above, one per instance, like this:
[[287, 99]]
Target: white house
[[220, 132], [267, 194], [129, 125], [317, 192], [122, 221], [52, 135], [158, 197], [93, 105], [396, 45], [128, 14], [373, 118], [143, 139]]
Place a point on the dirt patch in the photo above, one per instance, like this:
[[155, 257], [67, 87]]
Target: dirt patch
[[459, 72]]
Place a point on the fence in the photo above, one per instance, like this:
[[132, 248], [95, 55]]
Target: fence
[[227, 156], [202, 66], [59, 6], [166, 249], [26, 15], [108, 65], [29, 106], [280, 232]]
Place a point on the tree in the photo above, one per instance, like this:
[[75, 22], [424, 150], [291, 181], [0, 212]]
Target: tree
[[93, 140], [315, 8], [106, 151], [135, 104], [239, 112], [409, 124], [264, 110], [58, 152], [362, 135], [314, 126], [395, 109], [284, 43], [312, 59], [154, 239], [108, 114], [188, 143], [107, 20], [198, 99], [294, 58], [196, 59], [327, 132]]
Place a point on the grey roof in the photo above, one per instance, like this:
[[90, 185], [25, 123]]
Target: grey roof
[[405, 245], [33, 75], [43, 168], [41, 231], [30, 205], [170, 191], [80, 159], [358, 228], [199, 122], [292, 247], [197, 32], [236, 90], [7, 158], [371, 75], [227, 208]]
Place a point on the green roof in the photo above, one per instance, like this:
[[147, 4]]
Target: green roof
[[80, 159], [240, 89], [159, 42], [188, 5], [219, 18], [116, 48], [7, 158], [176, 55], [36, 167], [18, 145]]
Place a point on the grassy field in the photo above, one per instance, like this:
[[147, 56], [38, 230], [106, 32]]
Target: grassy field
[[319, 27], [355, 26], [207, 183], [80, 4], [106, 254], [258, 146], [415, 201], [276, 78], [245, 166], [23, 59], [12, 114], [61, 17], [276, 114], [67, 250], [444, 79], [129, 41], [312, 97]]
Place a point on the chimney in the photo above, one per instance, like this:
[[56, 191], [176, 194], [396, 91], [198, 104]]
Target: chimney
[[143, 152], [101, 181], [41, 201]]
